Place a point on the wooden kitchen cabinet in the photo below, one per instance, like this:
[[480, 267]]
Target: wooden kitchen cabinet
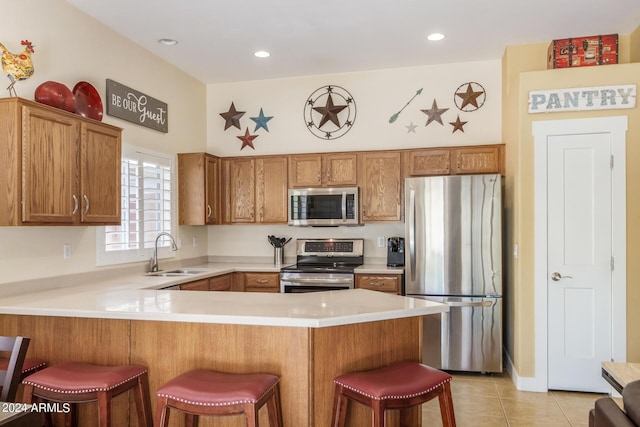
[[221, 283], [390, 283], [480, 159], [379, 176], [59, 168], [199, 189], [262, 282], [323, 170], [426, 162], [256, 190], [196, 285]]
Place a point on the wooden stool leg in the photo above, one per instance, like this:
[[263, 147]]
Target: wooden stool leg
[[162, 412], [104, 409], [251, 415], [274, 409], [446, 406], [191, 420], [378, 413], [340, 403], [143, 403]]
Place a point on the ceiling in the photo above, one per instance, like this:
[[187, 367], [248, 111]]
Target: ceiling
[[217, 39]]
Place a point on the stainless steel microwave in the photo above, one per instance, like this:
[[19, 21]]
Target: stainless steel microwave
[[323, 206]]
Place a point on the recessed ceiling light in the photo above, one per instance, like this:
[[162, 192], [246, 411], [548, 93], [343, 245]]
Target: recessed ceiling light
[[435, 37], [168, 42], [262, 54]]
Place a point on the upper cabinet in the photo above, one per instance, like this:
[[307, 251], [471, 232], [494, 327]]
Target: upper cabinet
[[323, 170], [379, 176], [455, 160], [199, 189], [427, 162], [255, 190], [59, 168]]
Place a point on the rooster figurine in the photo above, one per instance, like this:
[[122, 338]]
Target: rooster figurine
[[17, 67]]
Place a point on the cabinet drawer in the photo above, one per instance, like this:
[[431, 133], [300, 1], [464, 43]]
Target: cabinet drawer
[[384, 283], [262, 282]]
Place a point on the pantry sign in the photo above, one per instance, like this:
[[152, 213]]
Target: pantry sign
[[582, 99], [136, 107]]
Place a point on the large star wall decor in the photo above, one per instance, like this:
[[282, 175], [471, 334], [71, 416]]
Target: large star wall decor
[[247, 139], [329, 112], [435, 113], [261, 121], [469, 98], [232, 117]]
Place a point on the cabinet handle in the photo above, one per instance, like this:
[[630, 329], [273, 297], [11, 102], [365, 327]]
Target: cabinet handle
[[262, 281], [75, 204], [328, 174], [376, 284], [86, 202], [319, 178], [208, 211]]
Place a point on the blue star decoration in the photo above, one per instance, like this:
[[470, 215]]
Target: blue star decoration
[[247, 139], [261, 121]]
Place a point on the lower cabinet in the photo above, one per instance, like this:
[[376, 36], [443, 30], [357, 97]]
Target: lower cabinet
[[217, 283], [262, 282], [390, 283]]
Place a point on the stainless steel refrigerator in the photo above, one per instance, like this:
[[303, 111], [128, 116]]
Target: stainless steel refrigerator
[[453, 255]]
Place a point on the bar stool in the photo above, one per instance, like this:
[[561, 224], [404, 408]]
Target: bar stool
[[75, 382], [401, 385], [210, 393], [28, 367]]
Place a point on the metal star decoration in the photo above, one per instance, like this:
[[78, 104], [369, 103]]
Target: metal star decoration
[[232, 117], [247, 139], [329, 112], [261, 121], [435, 113], [471, 99], [458, 125]]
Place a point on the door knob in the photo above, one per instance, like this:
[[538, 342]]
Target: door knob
[[557, 276]]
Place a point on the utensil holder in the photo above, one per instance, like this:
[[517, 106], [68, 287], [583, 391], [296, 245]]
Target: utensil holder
[[278, 256]]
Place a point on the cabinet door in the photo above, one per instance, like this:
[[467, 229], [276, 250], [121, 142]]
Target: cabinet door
[[381, 282], [197, 285], [262, 282], [100, 187], [484, 159], [380, 186], [340, 169], [50, 144], [271, 189], [241, 188], [427, 162], [212, 190], [305, 170], [221, 283]]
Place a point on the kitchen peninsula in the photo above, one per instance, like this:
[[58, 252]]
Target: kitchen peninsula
[[306, 339]]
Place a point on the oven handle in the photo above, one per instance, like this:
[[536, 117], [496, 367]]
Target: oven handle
[[334, 280]]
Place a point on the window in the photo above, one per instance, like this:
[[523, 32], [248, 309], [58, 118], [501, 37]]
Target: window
[[148, 209]]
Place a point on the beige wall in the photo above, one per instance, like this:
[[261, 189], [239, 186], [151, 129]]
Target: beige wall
[[70, 47], [524, 68]]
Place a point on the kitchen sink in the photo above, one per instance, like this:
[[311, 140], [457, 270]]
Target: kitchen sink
[[180, 272]]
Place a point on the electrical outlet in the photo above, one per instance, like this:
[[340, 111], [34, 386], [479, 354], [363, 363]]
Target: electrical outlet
[[66, 251], [381, 242]]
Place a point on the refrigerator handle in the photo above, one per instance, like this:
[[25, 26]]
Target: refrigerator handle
[[411, 222], [469, 304]]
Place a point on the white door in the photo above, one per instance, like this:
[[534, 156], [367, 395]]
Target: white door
[[579, 263]]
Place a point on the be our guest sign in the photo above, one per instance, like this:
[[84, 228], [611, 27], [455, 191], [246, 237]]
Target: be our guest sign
[[136, 107], [582, 99]]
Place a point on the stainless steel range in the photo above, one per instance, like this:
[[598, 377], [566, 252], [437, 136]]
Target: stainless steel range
[[322, 265]]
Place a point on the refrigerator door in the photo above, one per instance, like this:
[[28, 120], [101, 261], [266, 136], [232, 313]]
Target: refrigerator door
[[454, 235], [467, 338]]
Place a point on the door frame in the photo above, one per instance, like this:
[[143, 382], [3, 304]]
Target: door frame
[[617, 127]]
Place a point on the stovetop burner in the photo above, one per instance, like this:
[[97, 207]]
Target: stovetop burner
[[327, 255]]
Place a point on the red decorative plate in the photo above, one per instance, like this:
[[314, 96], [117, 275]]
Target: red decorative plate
[[55, 95], [88, 102]]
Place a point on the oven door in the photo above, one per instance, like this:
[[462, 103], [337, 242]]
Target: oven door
[[315, 282]]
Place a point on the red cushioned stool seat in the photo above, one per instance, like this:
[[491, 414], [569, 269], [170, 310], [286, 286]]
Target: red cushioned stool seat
[[75, 382], [401, 385], [205, 392], [28, 367]]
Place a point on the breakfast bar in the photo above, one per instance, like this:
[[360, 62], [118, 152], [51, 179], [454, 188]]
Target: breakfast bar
[[306, 339]]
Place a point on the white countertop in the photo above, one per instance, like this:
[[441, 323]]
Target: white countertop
[[139, 297]]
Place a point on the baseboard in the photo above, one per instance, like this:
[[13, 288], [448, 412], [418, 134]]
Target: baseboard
[[521, 383]]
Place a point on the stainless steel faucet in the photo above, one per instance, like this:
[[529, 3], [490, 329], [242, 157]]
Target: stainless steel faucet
[[153, 262]]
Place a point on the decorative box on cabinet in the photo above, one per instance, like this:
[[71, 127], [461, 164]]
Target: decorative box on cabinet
[[323, 170], [59, 168], [380, 180], [199, 189]]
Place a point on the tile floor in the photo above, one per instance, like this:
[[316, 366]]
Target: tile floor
[[493, 401]]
